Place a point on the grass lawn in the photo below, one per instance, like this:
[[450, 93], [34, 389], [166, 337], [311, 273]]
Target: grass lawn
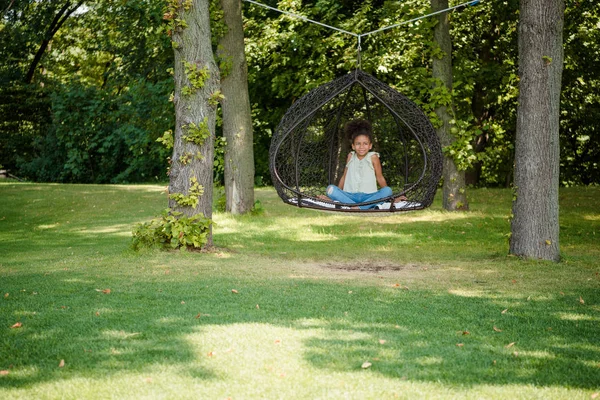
[[429, 299]]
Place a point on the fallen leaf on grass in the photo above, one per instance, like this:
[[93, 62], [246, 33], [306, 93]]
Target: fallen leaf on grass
[[460, 344], [257, 307], [97, 313], [508, 346], [466, 333], [199, 315], [105, 291], [504, 311], [211, 354], [5, 295], [497, 329], [382, 341], [4, 372], [61, 364], [277, 341], [183, 302], [366, 365], [581, 301], [593, 396], [234, 291], [17, 325]]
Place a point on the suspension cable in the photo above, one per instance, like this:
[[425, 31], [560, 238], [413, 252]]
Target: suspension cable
[[358, 35]]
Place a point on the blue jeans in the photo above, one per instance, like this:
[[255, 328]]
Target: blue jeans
[[337, 194]]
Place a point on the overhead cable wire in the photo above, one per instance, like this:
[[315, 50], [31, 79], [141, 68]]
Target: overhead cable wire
[[302, 17], [358, 35], [468, 3]]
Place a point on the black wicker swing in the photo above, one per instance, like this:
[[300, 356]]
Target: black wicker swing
[[308, 151]]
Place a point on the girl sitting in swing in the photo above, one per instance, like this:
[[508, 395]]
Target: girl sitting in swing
[[362, 172]]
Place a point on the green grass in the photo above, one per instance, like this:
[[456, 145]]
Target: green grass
[[417, 295]]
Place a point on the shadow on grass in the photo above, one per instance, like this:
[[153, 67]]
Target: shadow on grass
[[415, 335]]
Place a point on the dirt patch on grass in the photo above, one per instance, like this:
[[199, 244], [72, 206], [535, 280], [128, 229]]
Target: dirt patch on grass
[[375, 267]]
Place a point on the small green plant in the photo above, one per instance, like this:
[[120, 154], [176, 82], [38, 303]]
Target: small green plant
[[215, 98], [191, 199], [185, 158], [197, 133], [172, 14], [172, 230], [258, 208], [196, 75], [166, 139]]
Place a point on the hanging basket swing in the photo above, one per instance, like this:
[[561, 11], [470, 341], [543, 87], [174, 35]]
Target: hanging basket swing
[[309, 151]]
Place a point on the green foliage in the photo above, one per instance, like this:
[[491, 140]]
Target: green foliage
[[196, 75], [166, 139], [185, 158], [220, 201], [197, 133], [172, 230], [102, 136], [173, 13], [215, 98], [105, 78], [218, 28], [219, 161], [191, 199], [258, 209]]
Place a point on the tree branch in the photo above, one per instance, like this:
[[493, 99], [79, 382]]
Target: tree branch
[[8, 8], [59, 19]]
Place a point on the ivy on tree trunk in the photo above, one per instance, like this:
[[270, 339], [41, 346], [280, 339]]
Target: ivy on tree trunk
[[196, 79], [535, 225]]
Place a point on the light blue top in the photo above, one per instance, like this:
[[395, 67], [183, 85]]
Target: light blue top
[[360, 177]]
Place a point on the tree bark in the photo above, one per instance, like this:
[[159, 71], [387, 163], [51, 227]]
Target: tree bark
[[237, 119], [59, 19], [535, 226], [454, 188], [189, 160]]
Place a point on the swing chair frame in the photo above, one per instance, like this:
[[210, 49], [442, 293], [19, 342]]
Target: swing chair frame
[[288, 177]]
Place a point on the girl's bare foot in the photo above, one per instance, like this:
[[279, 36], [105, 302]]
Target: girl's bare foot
[[323, 197], [400, 198]]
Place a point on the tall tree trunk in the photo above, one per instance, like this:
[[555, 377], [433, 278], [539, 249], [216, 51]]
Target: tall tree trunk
[[454, 193], [535, 227], [192, 161], [59, 19], [237, 119]]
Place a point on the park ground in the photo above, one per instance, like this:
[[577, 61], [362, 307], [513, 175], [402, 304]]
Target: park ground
[[293, 303]]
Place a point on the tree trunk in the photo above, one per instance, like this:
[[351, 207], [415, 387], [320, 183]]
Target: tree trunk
[[190, 160], [59, 19], [237, 119], [535, 227], [454, 193]]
